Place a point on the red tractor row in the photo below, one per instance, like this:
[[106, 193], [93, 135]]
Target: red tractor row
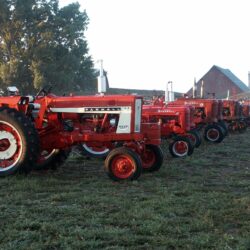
[[38, 132], [180, 123], [183, 120]]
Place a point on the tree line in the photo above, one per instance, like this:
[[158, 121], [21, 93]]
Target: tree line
[[42, 44]]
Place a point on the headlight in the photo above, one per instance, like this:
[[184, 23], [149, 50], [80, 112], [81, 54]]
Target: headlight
[[112, 122]]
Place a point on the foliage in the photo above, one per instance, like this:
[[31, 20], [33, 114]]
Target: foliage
[[199, 202], [42, 44]]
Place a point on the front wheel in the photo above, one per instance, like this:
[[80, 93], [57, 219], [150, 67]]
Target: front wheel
[[123, 164], [152, 158], [180, 147], [214, 133]]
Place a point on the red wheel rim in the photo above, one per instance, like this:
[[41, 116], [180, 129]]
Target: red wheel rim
[[148, 159], [122, 166], [10, 146], [213, 134], [180, 148]]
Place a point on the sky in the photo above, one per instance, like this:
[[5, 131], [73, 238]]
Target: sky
[[144, 44]]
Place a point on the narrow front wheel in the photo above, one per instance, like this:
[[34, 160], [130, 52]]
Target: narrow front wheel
[[123, 164], [180, 147], [214, 133]]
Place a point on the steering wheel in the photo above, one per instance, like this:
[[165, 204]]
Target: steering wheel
[[44, 91]]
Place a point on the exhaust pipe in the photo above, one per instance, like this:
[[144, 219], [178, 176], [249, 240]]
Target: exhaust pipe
[[169, 95], [194, 89], [202, 89], [102, 85], [228, 94], [166, 94]]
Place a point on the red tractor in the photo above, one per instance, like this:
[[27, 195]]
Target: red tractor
[[246, 111], [206, 117], [175, 124], [38, 132], [233, 115]]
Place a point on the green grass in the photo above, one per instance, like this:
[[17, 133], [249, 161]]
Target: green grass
[[200, 202]]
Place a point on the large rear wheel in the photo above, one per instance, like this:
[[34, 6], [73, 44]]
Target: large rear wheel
[[152, 158], [19, 142]]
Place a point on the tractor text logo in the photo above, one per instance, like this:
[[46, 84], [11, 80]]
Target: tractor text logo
[[123, 127]]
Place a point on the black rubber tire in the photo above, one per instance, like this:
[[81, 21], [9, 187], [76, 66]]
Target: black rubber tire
[[224, 125], [186, 141], [242, 126], [197, 137], [217, 129], [55, 160], [158, 158], [128, 154], [27, 136]]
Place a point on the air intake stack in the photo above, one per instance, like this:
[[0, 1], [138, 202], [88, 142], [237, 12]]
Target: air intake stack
[[195, 89], [202, 89], [102, 85]]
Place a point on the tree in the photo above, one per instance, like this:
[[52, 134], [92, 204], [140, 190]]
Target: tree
[[41, 44]]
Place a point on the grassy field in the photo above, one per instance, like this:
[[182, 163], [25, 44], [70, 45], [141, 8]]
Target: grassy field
[[200, 202]]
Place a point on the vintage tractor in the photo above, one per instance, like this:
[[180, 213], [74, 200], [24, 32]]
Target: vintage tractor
[[190, 131], [175, 127], [246, 111], [38, 132], [233, 115], [205, 117], [220, 117]]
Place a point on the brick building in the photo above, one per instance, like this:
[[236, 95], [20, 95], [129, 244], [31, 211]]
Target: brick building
[[217, 82]]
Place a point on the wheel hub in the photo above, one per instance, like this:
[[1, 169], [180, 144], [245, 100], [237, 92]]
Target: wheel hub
[[213, 134], [8, 145], [180, 148], [122, 167], [4, 144]]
